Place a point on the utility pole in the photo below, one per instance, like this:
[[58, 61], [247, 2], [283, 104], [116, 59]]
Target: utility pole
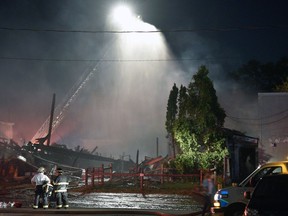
[[137, 160], [157, 146], [51, 120]]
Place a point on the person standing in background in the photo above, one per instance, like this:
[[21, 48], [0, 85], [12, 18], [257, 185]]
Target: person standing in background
[[209, 191]]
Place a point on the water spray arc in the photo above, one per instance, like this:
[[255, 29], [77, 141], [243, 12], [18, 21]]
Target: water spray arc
[[61, 110], [63, 107]]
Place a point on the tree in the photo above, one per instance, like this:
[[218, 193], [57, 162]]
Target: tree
[[182, 102], [171, 114], [258, 77], [283, 87], [197, 128]]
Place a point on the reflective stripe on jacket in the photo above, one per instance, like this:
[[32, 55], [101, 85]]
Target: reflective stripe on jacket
[[61, 183]]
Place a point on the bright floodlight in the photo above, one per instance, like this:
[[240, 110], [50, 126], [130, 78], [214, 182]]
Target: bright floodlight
[[123, 15]]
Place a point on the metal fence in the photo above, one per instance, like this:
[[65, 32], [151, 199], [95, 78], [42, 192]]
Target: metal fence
[[101, 175]]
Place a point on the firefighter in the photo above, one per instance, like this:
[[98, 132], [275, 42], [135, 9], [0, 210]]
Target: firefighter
[[60, 184], [38, 180], [47, 189]]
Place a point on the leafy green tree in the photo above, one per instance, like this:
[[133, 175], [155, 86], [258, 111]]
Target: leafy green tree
[[258, 77], [283, 87], [171, 114], [197, 130], [182, 102]]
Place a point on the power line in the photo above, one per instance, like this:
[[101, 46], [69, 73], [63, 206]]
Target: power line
[[113, 60], [263, 117], [257, 121], [210, 29], [243, 121]]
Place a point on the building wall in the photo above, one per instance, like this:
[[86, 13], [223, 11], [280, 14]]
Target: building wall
[[273, 126]]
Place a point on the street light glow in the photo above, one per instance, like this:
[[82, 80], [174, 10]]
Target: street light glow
[[138, 40], [123, 15]]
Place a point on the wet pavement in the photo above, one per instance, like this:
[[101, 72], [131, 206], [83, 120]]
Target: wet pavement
[[108, 203], [135, 201], [110, 212]]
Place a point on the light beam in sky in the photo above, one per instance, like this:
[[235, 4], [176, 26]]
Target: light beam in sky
[[123, 16], [134, 111]]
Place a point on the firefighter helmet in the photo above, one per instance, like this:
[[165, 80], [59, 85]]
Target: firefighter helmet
[[41, 170], [59, 170]]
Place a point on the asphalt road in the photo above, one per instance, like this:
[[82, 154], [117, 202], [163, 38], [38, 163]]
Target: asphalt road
[[110, 212]]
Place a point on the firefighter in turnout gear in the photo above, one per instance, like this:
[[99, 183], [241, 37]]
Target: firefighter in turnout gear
[[60, 184], [39, 180]]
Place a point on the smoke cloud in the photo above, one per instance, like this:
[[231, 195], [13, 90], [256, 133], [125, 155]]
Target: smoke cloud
[[123, 106]]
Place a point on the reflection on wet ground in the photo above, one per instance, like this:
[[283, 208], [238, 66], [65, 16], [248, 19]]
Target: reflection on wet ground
[[112, 200], [134, 201]]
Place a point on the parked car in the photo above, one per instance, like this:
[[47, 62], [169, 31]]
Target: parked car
[[229, 201], [269, 197]]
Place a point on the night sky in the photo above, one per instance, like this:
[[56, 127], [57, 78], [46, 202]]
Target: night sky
[[47, 46]]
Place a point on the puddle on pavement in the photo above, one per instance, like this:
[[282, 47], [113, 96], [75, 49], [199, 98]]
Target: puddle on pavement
[[134, 201]]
